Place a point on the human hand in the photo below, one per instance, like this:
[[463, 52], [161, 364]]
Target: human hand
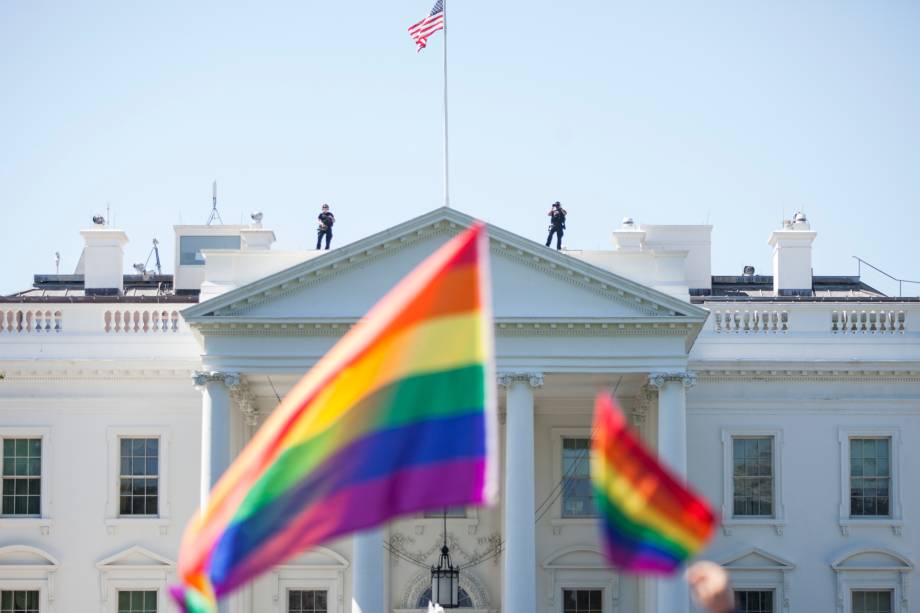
[[710, 587]]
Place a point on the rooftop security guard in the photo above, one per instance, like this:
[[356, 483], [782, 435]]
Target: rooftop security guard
[[556, 224], [326, 221]]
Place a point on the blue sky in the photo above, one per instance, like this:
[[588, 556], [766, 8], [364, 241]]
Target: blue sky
[[732, 113]]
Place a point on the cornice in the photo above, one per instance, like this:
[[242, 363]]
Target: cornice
[[536, 328], [842, 375], [96, 374]]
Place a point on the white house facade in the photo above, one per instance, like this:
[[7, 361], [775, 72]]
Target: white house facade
[[792, 402]]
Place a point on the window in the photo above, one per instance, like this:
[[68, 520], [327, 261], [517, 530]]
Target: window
[[190, 247], [19, 601], [22, 476], [307, 601], [139, 476], [137, 601], [452, 512], [865, 601], [463, 599], [582, 601], [870, 477], [752, 476], [870, 488], [754, 601], [577, 494]]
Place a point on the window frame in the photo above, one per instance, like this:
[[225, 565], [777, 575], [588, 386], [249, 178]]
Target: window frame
[[757, 588], [558, 521], [583, 588], [895, 519], [852, 591], [113, 519], [851, 574], [46, 503], [158, 591], [728, 519]]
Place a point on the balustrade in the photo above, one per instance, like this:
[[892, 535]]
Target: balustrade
[[30, 321], [748, 321], [867, 322], [141, 321]]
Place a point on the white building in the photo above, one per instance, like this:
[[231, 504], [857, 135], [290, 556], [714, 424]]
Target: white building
[[791, 401]]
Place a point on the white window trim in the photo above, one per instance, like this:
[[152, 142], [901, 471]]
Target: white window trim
[[44, 521], [894, 577], [895, 521], [30, 576], [567, 576], [556, 518], [112, 519], [778, 521], [470, 522], [329, 577], [771, 574], [156, 574]]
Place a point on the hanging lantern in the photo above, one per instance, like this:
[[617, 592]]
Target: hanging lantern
[[445, 577]]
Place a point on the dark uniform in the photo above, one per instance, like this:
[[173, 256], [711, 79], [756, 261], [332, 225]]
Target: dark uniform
[[556, 224], [326, 221]]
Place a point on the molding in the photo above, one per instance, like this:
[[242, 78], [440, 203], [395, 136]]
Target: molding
[[245, 400], [895, 577], [95, 374], [843, 375], [534, 379]]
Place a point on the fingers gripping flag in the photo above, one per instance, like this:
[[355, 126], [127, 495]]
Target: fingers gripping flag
[[428, 26]]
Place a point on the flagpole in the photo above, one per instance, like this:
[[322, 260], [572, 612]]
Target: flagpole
[[446, 173]]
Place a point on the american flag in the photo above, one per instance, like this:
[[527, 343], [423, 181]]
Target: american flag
[[428, 26]]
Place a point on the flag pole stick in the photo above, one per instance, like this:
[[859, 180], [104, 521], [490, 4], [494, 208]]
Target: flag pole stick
[[446, 174]]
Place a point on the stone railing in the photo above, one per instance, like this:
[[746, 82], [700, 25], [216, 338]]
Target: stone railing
[[867, 322], [30, 321], [141, 321], [762, 321]]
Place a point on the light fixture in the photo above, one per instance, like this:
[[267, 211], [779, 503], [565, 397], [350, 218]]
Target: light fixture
[[445, 578], [256, 216], [99, 220]]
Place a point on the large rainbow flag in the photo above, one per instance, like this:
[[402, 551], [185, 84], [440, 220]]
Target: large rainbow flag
[[399, 416], [650, 522]]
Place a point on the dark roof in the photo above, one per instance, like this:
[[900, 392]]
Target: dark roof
[[69, 288], [759, 288]]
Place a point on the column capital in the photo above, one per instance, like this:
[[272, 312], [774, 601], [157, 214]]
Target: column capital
[[203, 377], [658, 379], [534, 379], [245, 399]]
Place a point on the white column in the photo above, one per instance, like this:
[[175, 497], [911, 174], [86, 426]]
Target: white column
[[519, 589], [215, 426], [367, 572], [672, 594], [215, 432]]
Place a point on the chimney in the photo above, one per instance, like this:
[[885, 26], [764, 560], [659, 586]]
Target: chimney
[[103, 261], [629, 237], [792, 257]]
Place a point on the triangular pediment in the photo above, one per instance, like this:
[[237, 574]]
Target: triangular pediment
[[134, 557], [755, 558], [530, 282]]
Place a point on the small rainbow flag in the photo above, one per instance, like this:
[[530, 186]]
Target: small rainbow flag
[[651, 523], [399, 416]]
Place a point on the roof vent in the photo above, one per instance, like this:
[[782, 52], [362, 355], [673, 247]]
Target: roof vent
[[748, 271]]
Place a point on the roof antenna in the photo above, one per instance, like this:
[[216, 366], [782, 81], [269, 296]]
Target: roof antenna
[[108, 215], [214, 212], [57, 262]]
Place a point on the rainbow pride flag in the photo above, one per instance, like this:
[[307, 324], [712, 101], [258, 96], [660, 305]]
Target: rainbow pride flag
[[650, 522], [399, 416]]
